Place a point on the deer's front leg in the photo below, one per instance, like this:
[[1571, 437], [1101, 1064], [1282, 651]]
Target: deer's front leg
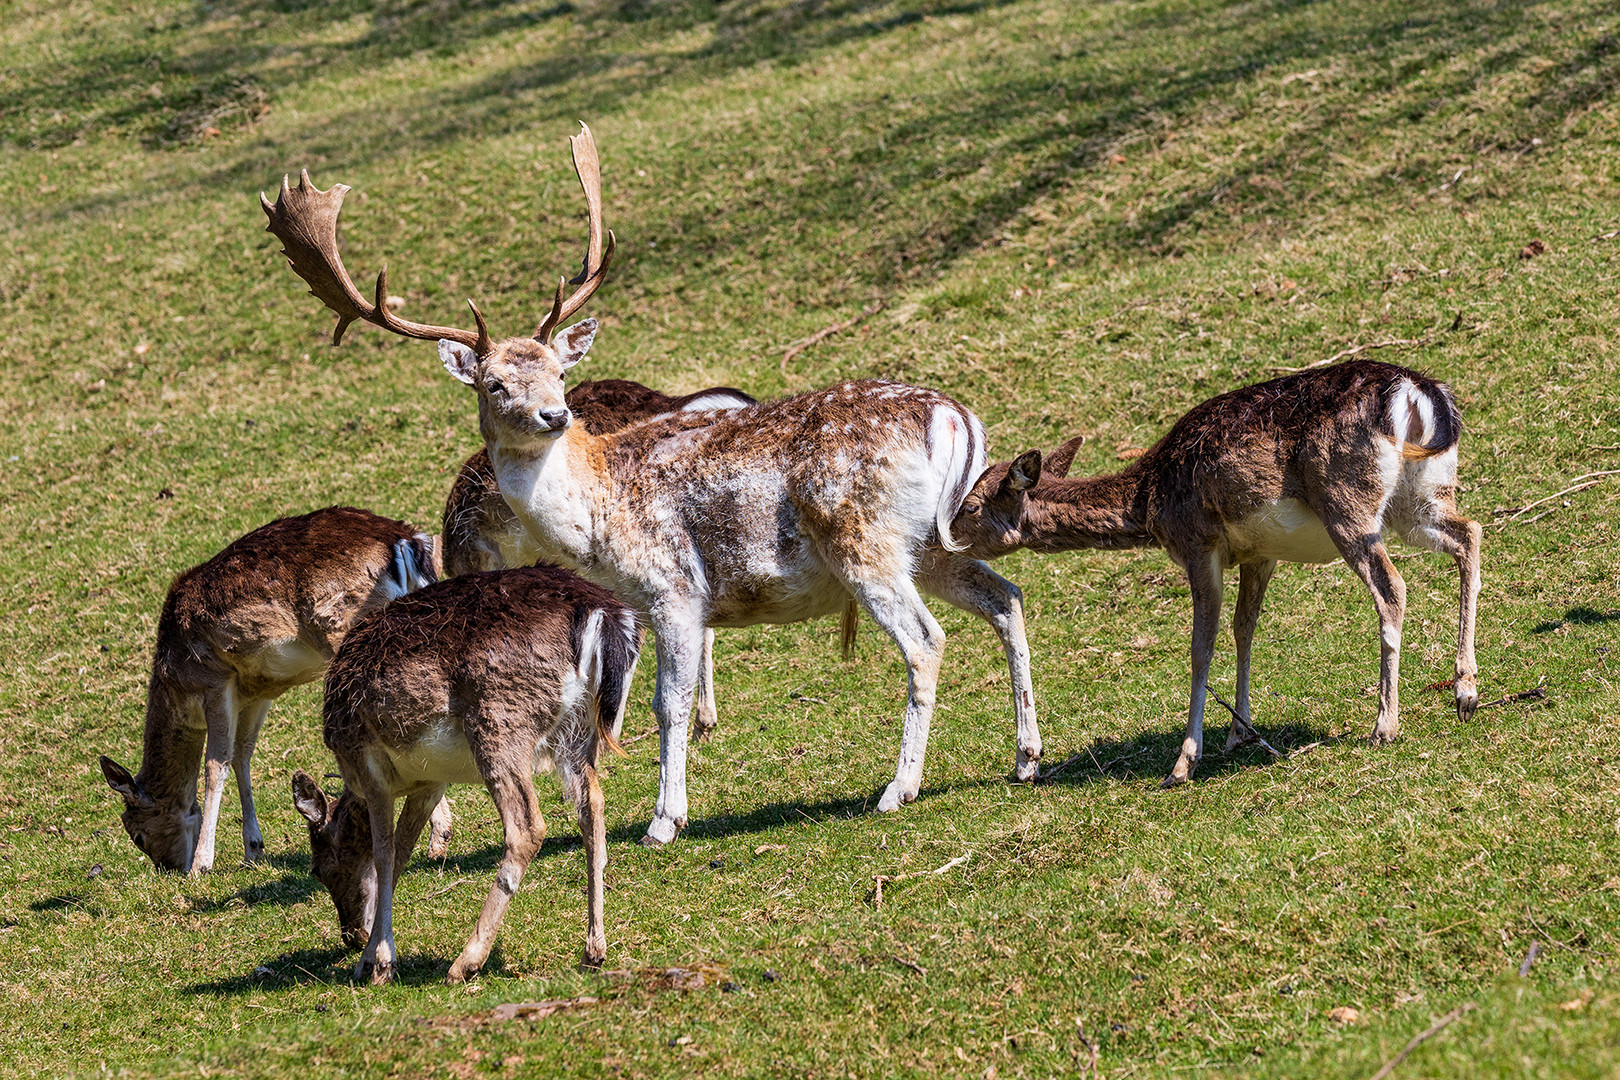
[[219, 714], [1204, 577], [378, 958], [679, 643], [247, 736], [593, 831], [1252, 581]]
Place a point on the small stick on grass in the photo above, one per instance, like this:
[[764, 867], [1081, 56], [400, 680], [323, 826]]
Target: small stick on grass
[[1579, 483], [1417, 1040], [1533, 694], [1357, 350], [903, 962], [826, 332], [1243, 724], [879, 880], [1094, 1071], [1529, 958]]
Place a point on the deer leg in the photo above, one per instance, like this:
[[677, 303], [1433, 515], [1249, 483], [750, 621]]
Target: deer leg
[[1367, 556], [704, 716], [679, 642], [219, 714], [420, 808], [900, 611], [1204, 577], [974, 587], [443, 828], [379, 959], [512, 788], [1460, 538], [1252, 581], [593, 831], [249, 721]]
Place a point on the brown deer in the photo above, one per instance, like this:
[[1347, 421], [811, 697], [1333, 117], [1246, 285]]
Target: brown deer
[[237, 632], [482, 533], [488, 678], [772, 513], [1307, 468]]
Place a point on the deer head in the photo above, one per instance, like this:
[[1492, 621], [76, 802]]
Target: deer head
[[519, 380], [166, 832], [340, 854], [992, 518]]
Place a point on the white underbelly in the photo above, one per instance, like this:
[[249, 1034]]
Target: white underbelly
[[1283, 529], [441, 756], [288, 663]]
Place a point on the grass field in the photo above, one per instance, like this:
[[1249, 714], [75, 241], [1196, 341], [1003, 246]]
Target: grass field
[[1077, 218]]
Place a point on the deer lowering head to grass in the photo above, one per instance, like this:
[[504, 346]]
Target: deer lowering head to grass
[[482, 533], [486, 678], [262, 616], [1306, 468], [772, 513]]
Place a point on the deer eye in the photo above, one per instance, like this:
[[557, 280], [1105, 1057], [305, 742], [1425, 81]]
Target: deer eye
[[495, 386], [140, 841]]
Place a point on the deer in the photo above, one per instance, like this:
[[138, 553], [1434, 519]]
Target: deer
[[480, 531], [771, 513], [262, 616], [485, 678], [1310, 467]]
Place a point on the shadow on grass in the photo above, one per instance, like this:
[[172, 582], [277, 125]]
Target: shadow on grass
[[333, 966], [1150, 757], [59, 902], [1578, 616]]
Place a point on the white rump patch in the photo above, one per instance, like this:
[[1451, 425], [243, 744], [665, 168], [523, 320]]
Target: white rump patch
[[1407, 404], [715, 401]]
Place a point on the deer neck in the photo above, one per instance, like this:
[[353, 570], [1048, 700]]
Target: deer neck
[[556, 489], [1094, 512], [172, 748]]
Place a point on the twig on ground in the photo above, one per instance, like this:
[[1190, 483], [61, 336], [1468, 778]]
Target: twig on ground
[[649, 733], [1243, 724], [826, 332], [1417, 1040], [880, 880], [1357, 350], [913, 965], [1533, 694], [447, 888], [1591, 480], [1529, 958], [1091, 1046], [1076, 759]]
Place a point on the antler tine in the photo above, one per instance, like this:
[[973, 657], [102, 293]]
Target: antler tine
[[587, 166], [305, 220]]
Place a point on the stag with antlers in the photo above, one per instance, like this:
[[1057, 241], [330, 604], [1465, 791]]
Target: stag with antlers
[[773, 513]]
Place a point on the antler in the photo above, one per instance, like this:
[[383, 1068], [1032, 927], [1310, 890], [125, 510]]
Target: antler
[[305, 219], [589, 170]]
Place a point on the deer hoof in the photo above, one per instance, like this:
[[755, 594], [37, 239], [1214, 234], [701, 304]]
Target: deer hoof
[[1027, 771], [459, 971], [1181, 774], [1467, 698], [1382, 735], [660, 831], [894, 797], [593, 959]]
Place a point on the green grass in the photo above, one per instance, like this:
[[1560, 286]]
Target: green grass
[[1081, 218]]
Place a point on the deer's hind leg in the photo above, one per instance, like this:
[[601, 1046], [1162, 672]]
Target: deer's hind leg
[[704, 715], [511, 785], [1460, 538], [1364, 552], [972, 586], [1252, 581], [420, 808], [1204, 577]]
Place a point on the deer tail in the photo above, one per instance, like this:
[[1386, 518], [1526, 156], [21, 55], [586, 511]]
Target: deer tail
[[1423, 418], [609, 646], [956, 449]]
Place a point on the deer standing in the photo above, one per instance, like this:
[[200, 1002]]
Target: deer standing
[[772, 513], [1306, 468], [482, 533], [237, 632], [489, 678]]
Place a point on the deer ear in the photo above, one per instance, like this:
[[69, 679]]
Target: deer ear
[[459, 360], [119, 780], [1059, 460], [1023, 473], [309, 799], [573, 343]]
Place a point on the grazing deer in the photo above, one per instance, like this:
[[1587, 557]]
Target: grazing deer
[[772, 513], [237, 632], [486, 678], [482, 533], [1307, 468]]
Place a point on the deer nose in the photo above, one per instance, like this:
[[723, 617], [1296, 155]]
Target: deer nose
[[553, 419]]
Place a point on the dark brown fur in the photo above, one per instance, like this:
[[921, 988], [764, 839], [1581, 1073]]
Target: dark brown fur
[[1361, 445], [262, 616], [484, 672]]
